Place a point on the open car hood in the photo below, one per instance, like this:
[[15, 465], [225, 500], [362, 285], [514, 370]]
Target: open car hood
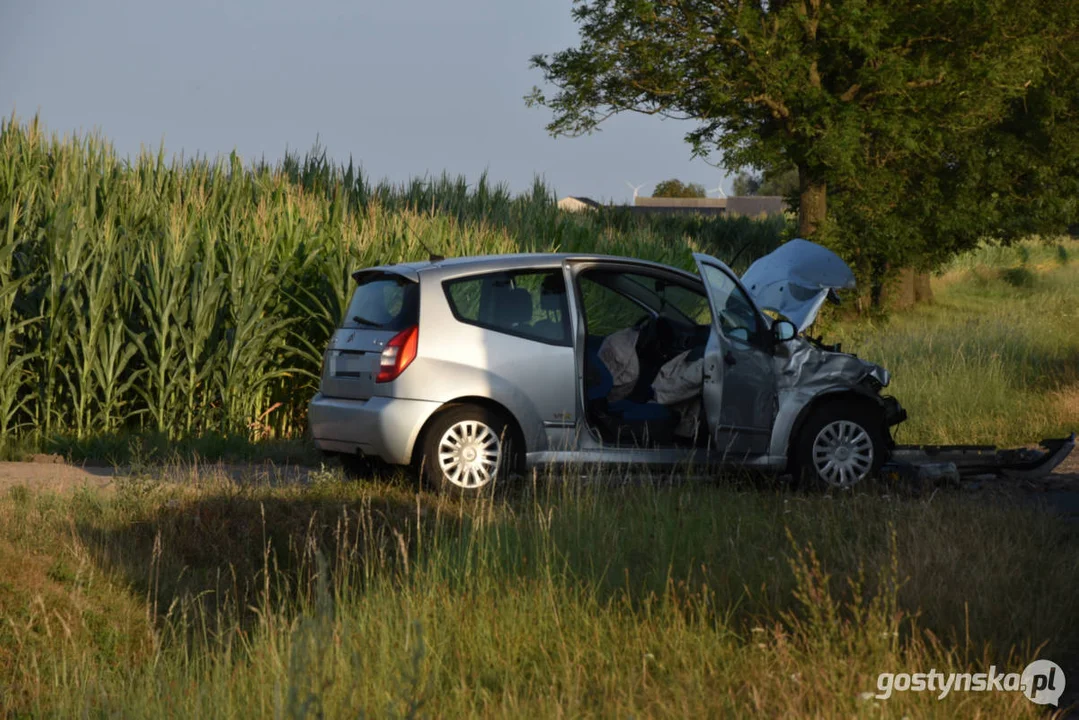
[[795, 279]]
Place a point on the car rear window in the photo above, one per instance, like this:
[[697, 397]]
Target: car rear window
[[383, 302]]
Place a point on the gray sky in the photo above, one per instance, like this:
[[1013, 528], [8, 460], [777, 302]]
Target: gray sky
[[406, 87]]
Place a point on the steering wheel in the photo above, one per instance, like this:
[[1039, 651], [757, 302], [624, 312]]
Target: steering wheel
[[657, 337]]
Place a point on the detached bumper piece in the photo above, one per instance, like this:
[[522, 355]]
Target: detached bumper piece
[[952, 462]]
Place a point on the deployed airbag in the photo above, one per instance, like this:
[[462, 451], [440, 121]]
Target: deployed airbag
[[679, 379], [678, 386], [619, 353]]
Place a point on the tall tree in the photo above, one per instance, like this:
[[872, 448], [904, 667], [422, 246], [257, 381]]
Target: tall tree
[[675, 188], [828, 87], [1003, 180], [771, 181], [746, 183]]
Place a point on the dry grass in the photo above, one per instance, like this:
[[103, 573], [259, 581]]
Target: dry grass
[[1066, 403], [570, 598]]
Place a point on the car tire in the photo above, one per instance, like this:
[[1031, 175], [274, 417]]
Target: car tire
[[468, 450], [840, 445]]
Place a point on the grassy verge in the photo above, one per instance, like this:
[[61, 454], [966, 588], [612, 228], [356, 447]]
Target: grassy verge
[[565, 599]]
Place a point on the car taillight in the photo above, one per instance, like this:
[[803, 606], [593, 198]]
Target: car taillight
[[398, 353]]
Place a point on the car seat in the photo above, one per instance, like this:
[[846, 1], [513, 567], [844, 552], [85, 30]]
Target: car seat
[[626, 421], [656, 344], [512, 308], [552, 300]]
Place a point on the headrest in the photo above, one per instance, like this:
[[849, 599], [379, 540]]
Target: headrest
[[552, 293], [513, 306]]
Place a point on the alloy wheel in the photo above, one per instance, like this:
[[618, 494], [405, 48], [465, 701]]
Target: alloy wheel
[[469, 453], [842, 453]]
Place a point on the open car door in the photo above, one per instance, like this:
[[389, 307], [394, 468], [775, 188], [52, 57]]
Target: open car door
[[739, 379]]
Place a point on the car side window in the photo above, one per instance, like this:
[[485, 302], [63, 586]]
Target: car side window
[[530, 304], [679, 302], [607, 311], [691, 304], [737, 317]]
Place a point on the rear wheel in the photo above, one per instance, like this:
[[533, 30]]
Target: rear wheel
[[840, 445], [468, 449]]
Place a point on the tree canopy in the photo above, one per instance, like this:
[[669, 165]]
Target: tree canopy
[[675, 188], [772, 181], [909, 116]]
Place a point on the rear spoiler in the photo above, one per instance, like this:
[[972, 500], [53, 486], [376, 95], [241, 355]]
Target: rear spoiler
[[406, 272]]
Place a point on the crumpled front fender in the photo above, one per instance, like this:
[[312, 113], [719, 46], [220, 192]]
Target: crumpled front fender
[[806, 374]]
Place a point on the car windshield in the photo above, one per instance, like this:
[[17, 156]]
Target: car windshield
[[383, 302]]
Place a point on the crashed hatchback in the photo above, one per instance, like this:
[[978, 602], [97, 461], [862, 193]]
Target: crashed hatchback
[[473, 368]]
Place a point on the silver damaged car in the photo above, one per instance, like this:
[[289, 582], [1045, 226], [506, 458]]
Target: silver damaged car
[[473, 369]]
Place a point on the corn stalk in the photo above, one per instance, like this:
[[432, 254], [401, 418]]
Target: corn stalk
[[14, 358]]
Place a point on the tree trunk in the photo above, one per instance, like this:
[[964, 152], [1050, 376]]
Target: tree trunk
[[923, 291], [812, 203], [898, 292], [899, 289]]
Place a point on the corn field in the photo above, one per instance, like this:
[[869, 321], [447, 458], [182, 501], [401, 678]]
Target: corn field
[[196, 297]]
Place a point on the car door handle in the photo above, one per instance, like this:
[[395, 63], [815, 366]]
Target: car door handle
[[729, 358]]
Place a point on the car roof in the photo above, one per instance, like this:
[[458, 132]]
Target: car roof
[[514, 261]]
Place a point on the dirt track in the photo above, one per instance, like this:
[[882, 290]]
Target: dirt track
[[50, 472]]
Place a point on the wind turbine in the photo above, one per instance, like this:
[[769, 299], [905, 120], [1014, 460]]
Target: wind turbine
[[719, 189], [635, 189]]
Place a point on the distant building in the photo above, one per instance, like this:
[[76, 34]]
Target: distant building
[[756, 205], [753, 206], [680, 206], [749, 205], [577, 204]]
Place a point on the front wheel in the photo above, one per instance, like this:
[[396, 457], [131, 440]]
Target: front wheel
[[466, 449], [839, 446]]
